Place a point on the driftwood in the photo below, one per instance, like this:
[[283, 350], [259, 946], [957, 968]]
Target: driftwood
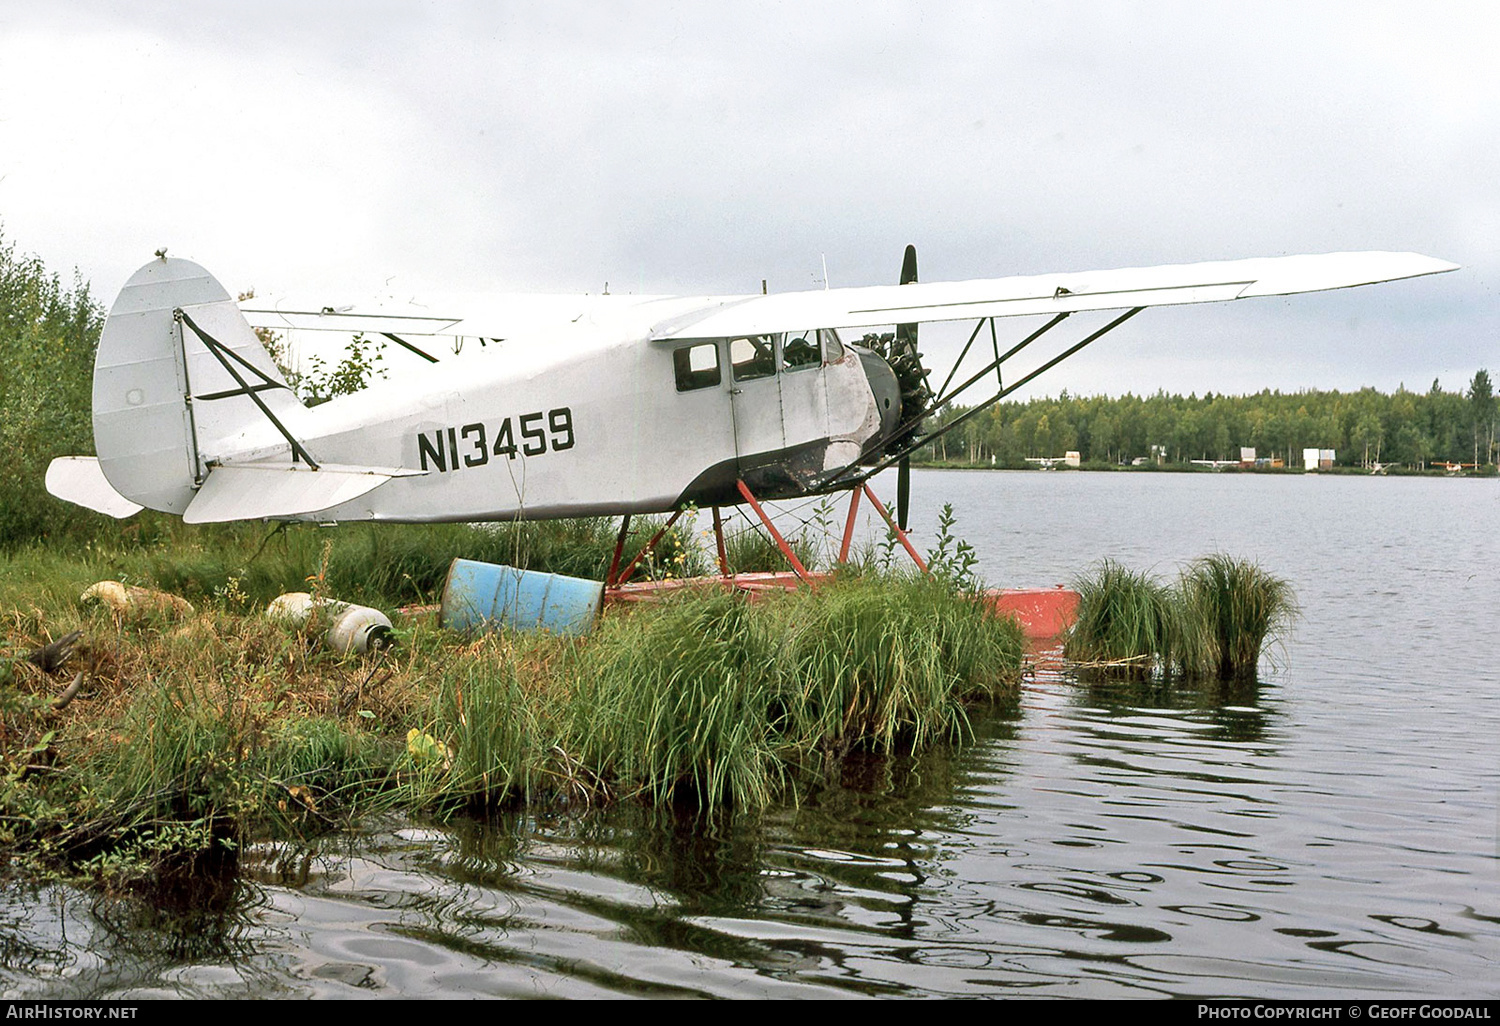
[[69, 693], [51, 657], [1145, 659]]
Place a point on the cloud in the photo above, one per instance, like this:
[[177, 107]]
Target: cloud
[[696, 149]]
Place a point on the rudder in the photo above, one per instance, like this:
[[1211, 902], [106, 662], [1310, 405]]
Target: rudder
[[167, 402]]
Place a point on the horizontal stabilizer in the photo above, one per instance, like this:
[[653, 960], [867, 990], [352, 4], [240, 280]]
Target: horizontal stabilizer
[[275, 491], [78, 479]]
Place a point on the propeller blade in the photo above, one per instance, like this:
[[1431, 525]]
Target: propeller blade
[[905, 351], [906, 334], [903, 491], [909, 266]]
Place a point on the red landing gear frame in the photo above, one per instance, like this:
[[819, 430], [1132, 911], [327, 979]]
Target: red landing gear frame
[[617, 577]]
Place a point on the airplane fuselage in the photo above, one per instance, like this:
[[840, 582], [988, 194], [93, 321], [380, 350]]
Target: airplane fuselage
[[589, 425]]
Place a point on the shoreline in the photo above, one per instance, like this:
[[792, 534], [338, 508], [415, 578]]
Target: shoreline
[[1488, 473]]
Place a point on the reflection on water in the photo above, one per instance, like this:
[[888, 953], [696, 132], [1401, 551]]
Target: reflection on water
[[1327, 831]]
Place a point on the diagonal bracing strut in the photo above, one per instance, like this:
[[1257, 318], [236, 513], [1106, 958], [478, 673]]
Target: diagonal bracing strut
[[838, 478], [219, 351]]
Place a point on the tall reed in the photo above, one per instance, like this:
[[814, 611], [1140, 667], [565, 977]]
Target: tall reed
[[487, 741], [1214, 623], [672, 701], [1128, 622], [1233, 608], [878, 661], [709, 696]]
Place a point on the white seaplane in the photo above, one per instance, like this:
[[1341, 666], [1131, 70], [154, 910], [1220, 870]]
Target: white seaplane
[[576, 406]]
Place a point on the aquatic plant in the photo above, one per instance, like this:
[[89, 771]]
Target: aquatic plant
[[710, 695], [876, 661], [1128, 622], [1231, 608], [673, 701], [486, 741], [1214, 623]]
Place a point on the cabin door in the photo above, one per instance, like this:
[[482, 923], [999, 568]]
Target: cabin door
[[804, 393], [755, 395]]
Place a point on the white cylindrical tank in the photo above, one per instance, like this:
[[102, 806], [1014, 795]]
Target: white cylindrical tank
[[351, 628]]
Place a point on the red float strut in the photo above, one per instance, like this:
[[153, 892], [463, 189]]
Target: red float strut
[[870, 494], [786, 550], [624, 576], [849, 526], [719, 540]]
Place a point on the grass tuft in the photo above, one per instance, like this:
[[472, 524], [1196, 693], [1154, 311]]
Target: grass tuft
[[1215, 623], [1129, 624], [1233, 608]]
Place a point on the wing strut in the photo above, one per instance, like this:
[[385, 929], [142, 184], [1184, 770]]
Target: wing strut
[[945, 397], [837, 478], [786, 550], [402, 342], [219, 350]]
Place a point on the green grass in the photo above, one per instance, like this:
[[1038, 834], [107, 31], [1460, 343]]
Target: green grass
[[239, 567], [1214, 624], [1128, 623], [674, 701], [752, 550], [879, 661], [713, 698], [196, 734], [1234, 608]]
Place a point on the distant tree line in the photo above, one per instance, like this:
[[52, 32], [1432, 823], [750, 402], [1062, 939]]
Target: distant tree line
[[1411, 428]]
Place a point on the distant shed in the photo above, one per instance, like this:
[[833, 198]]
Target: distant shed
[[1317, 459]]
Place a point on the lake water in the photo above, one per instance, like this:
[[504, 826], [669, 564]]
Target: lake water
[[1330, 832]]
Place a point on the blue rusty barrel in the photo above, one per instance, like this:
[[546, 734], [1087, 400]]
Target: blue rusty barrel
[[482, 596]]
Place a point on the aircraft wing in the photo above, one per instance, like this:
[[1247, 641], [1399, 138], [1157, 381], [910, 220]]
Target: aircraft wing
[[491, 317], [498, 317], [1049, 294]]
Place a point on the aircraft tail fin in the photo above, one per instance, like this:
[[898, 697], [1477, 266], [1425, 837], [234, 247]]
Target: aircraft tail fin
[[181, 382]]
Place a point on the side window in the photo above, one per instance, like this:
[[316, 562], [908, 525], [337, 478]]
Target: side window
[[801, 351], [831, 344], [697, 366], [753, 356]]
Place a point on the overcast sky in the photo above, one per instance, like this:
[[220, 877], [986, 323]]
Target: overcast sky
[[700, 148]]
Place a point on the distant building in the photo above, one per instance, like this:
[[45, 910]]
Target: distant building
[[1072, 458], [1317, 459], [1247, 455]]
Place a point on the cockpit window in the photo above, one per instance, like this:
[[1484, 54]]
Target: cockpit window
[[753, 356], [697, 366], [801, 351], [831, 344]]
